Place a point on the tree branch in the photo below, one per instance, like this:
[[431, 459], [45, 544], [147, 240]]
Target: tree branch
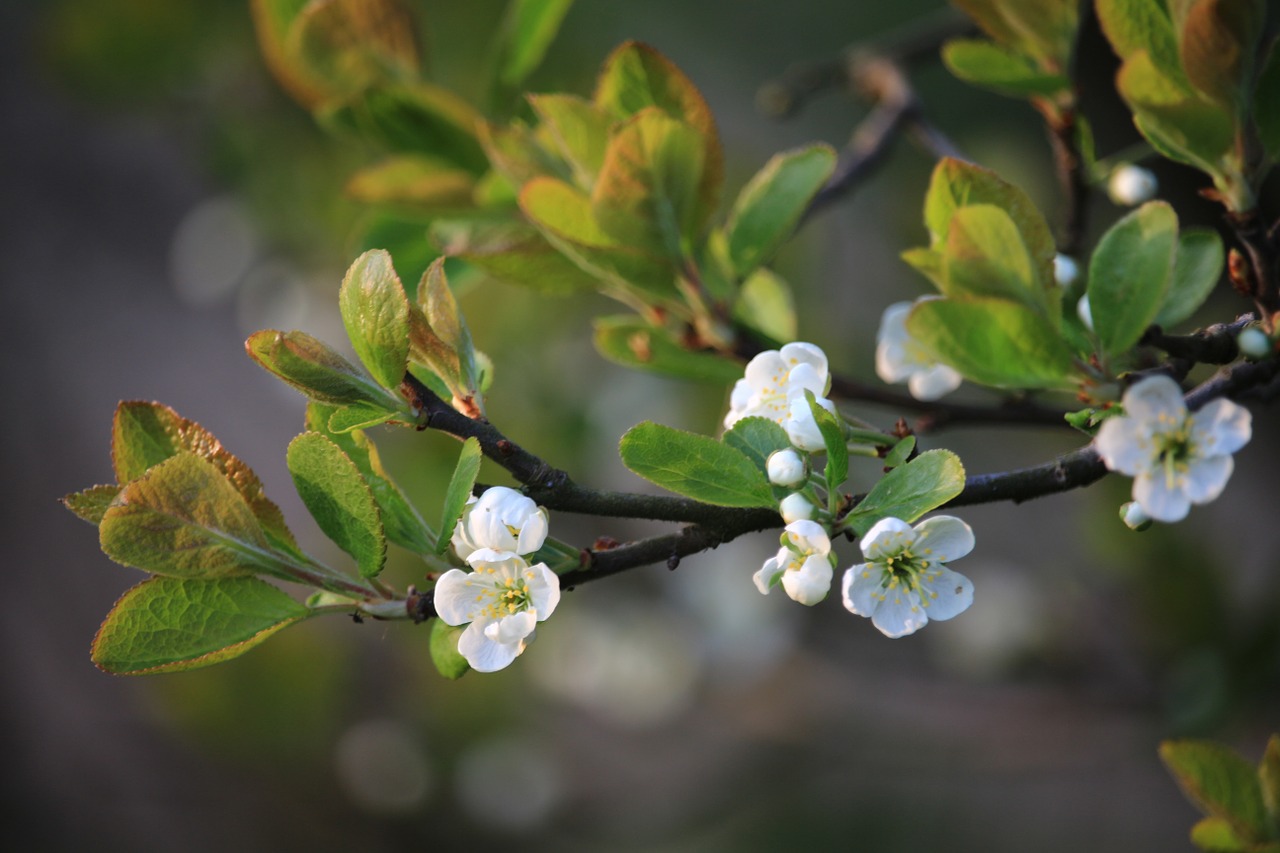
[[1214, 344]]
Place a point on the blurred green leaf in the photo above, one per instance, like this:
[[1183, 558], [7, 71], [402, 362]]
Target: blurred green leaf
[[1217, 40], [92, 503], [345, 46], [447, 348], [358, 416], [767, 210], [335, 493], [145, 434], [1215, 835], [1142, 26], [1196, 269], [757, 439], [695, 466], [1001, 69], [1129, 275], [985, 255], [527, 30], [520, 153], [993, 342], [1269, 781], [631, 342], [910, 490], [173, 624], [1266, 101], [444, 650], [900, 452], [316, 370], [1220, 783], [459, 491], [375, 312], [512, 252], [765, 305], [1042, 29], [413, 181], [579, 130], [1178, 123], [835, 440]]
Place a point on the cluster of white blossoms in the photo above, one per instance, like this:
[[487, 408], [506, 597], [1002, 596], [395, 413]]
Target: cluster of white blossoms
[[1177, 458], [503, 597], [901, 358], [774, 387]]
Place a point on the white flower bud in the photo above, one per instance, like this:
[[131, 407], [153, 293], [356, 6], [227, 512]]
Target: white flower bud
[[1134, 516], [786, 468], [1084, 313], [1254, 343], [1065, 270], [1131, 185], [795, 507]]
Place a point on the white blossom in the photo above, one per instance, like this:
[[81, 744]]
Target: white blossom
[[901, 358], [1254, 343], [903, 583], [501, 519], [1134, 516], [796, 507], [802, 565], [1084, 312], [1177, 458], [773, 387], [1065, 270], [786, 468], [1131, 185], [503, 598]]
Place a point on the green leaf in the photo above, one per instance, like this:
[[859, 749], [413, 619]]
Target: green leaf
[[348, 45], [528, 29], [578, 131], [413, 181], [145, 434], [359, 416], [1266, 101], [1176, 121], [630, 342], [696, 466], [183, 518], [900, 452], [1142, 26], [985, 255], [909, 491], [765, 304], [769, 207], [1043, 29], [316, 370], [757, 439], [1217, 40], [833, 436], [994, 342], [1220, 783], [375, 312], [1129, 275], [1001, 69], [338, 498], [646, 192], [512, 252], [444, 650], [1215, 835], [453, 358], [636, 76], [1196, 269], [403, 524], [92, 503], [1269, 780], [171, 624], [459, 491]]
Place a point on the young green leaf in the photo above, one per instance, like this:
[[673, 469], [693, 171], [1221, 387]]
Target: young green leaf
[[985, 255], [769, 207], [994, 342], [1196, 269], [458, 367], [1215, 835], [375, 312], [633, 343], [444, 650], [92, 503], [316, 370], [1217, 40], [413, 181], [833, 436], [185, 519], [696, 466], [579, 132], [1042, 29], [348, 45], [1003, 70], [512, 252], [338, 498], [900, 452], [527, 30], [358, 416], [1129, 275], [1220, 783], [765, 304], [757, 439], [1269, 780], [910, 490], [172, 624], [459, 491]]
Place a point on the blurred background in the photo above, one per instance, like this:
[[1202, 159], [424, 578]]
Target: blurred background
[[163, 199]]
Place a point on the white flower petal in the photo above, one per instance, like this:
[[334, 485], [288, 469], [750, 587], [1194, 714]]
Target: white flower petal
[[809, 536], [801, 427], [1124, 444], [766, 370], [511, 628], [1206, 478], [799, 352], [1221, 427], [899, 614], [803, 377], [533, 533], [786, 468], [945, 593], [455, 597], [795, 507], [943, 538], [933, 382], [482, 653], [1155, 399], [859, 588], [544, 590], [811, 582], [886, 536], [767, 577], [1152, 493]]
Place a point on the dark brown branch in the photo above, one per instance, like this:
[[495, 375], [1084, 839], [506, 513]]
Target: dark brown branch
[[936, 414], [1214, 344], [1263, 252], [1061, 125]]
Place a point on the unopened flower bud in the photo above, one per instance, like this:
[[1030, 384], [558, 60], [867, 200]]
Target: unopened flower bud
[[1134, 516], [786, 468], [1254, 343], [1084, 312], [795, 507], [1131, 185], [1065, 270]]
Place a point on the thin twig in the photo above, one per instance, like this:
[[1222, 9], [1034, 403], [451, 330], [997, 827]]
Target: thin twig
[[1214, 344]]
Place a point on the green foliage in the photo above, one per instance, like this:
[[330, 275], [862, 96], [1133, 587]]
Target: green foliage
[[900, 452], [375, 312], [316, 370], [413, 182], [459, 491], [151, 628], [757, 439], [444, 650], [440, 340], [769, 207], [92, 503], [1129, 275], [1269, 780], [695, 466], [633, 343], [1002, 69], [1044, 31], [910, 490], [338, 498], [512, 252], [1196, 269], [835, 440], [527, 31], [766, 306], [1225, 787]]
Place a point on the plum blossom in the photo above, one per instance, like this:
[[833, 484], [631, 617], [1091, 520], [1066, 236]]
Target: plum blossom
[[796, 507], [501, 519], [901, 358], [503, 598], [1177, 458], [903, 583], [773, 387], [786, 468], [1131, 185], [802, 565]]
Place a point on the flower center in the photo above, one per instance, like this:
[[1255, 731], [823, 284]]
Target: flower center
[[1174, 452], [505, 597]]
